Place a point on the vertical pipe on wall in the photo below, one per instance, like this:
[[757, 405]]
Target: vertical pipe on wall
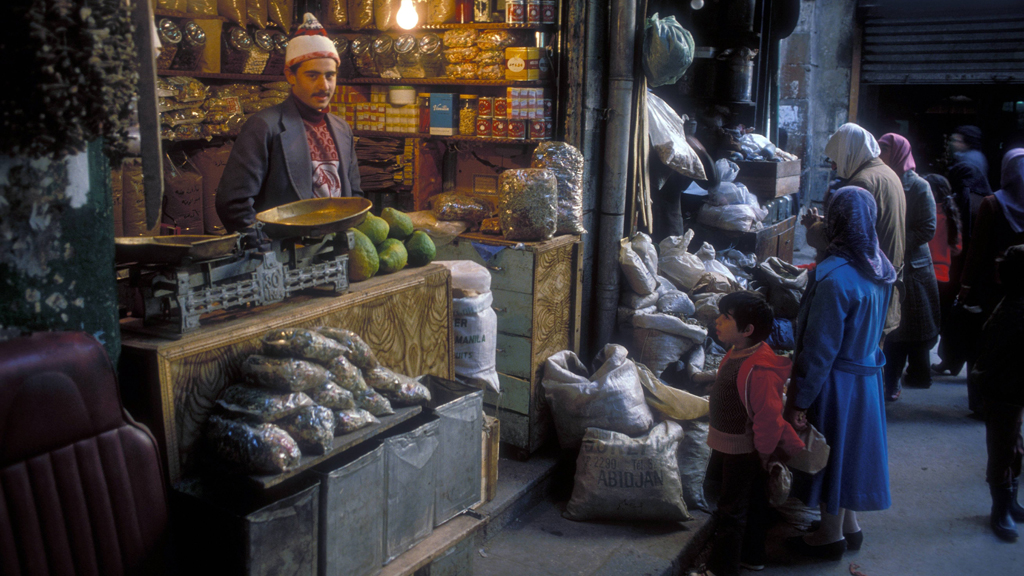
[[616, 157]]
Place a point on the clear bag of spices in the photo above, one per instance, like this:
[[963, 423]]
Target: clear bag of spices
[[360, 14], [384, 55], [440, 11], [490, 57], [170, 38], [461, 55], [460, 38], [491, 72], [528, 203], [468, 71], [432, 56], [335, 13], [363, 57], [263, 45], [496, 39], [346, 68], [409, 62]]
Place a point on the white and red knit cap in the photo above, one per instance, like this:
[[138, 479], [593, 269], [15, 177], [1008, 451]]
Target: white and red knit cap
[[309, 42]]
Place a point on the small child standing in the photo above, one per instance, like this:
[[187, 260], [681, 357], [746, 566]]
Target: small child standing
[[746, 430], [998, 376]]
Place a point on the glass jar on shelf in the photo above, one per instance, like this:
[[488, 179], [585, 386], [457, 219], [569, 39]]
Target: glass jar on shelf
[[237, 46], [262, 46], [190, 50], [275, 65], [384, 56], [409, 64], [432, 55], [170, 37], [467, 114]]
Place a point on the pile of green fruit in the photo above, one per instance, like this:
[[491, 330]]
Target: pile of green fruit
[[386, 244]]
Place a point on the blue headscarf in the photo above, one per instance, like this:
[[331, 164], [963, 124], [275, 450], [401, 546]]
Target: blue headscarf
[[850, 228]]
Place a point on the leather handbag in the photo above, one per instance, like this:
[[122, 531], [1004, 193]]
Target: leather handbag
[[813, 458]]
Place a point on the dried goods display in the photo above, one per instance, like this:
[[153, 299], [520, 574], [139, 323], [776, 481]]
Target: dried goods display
[[528, 205], [348, 421], [353, 347], [460, 38], [458, 207], [401, 390], [302, 344], [346, 375], [286, 374], [263, 448], [566, 162], [335, 13], [373, 403], [260, 405], [312, 428], [332, 396], [360, 14]]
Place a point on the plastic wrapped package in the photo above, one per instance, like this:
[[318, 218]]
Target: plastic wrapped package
[[623, 478], [362, 56], [231, 126], [182, 132], [346, 375], [491, 72], [274, 94], [468, 277], [440, 11], [668, 138], [371, 401], [677, 264], [260, 405], [332, 396], [186, 89], [440, 232], [496, 40], [183, 197], [277, 86], [300, 343], [490, 57], [566, 163], [490, 226], [638, 276], [202, 7], [262, 449], [183, 116], [353, 347], [463, 208], [408, 54], [280, 13], [461, 55], [312, 428], [348, 421], [239, 90], [360, 14], [465, 71], [401, 390], [737, 217], [384, 56], [385, 13], [285, 374], [460, 38], [233, 10], [256, 13], [334, 14], [668, 50], [528, 205]]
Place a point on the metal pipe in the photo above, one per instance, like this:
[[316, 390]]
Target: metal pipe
[[616, 156]]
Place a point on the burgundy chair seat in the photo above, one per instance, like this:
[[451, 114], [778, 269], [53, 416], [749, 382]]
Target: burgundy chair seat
[[81, 487]]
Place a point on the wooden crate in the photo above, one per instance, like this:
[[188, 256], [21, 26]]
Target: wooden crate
[[489, 478], [774, 240], [171, 384], [768, 180], [536, 290]]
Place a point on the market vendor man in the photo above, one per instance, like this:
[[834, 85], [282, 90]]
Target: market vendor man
[[295, 150]]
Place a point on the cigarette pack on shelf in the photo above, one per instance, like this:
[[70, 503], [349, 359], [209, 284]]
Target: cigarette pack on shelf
[[352, 529]]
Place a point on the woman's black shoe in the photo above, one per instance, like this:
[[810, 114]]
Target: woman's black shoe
[[854, 540], [833, 551]]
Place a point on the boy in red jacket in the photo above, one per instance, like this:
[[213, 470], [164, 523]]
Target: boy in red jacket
[[747, 430]]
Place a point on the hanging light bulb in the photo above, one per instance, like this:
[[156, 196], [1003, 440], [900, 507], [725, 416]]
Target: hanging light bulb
[[696, 4], [407, 17]]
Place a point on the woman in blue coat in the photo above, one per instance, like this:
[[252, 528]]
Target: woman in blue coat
[[837, 380]]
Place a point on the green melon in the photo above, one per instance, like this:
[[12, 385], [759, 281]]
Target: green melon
[[393, 256], [400, 224], [420, 248], [375, 228], [363, 262]]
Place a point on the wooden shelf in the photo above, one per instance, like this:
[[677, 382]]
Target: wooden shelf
[[212, 76], [176, 14], [458, 137], [444, 82], [448, 26]]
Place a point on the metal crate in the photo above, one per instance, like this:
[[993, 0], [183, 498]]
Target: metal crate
[[351, 512], [461, 411], [410, 459]]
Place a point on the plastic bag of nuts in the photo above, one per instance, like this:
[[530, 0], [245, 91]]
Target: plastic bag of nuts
[[566, 162], [528, 203]]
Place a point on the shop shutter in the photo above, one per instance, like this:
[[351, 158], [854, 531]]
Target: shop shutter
[[916, 47]]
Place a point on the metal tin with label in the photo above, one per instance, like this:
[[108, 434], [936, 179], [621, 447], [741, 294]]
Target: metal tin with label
[[485, 107], [500, 107], [533, 12], [484, 126], [499, 128], [548, 11], [517, 129], [515, 11], [537, 130]]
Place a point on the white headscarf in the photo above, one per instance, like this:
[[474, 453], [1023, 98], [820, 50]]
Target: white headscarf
[[850, 147]]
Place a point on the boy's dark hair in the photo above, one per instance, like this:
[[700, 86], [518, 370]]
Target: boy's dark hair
[[749, 308], [942, 191]]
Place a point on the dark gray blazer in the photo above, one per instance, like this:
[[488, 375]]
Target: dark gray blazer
[[270, 166]]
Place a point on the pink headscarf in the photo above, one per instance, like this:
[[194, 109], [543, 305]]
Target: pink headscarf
[[896, 153]]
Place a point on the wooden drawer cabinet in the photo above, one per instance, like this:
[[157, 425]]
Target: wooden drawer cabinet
[[536, 288], [776, 240]]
